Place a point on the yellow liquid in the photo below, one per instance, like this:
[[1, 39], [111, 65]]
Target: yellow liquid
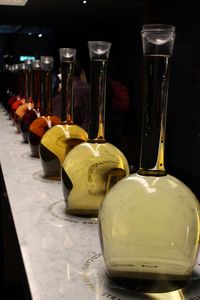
[[56, 144], [149, 229], [85, 174]]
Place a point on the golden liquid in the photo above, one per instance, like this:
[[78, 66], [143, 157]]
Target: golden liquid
[[149, 229], [85, 174], [56, 144]]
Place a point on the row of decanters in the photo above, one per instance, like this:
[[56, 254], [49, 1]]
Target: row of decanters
[[148, 221], [52, 138], [31, 109]]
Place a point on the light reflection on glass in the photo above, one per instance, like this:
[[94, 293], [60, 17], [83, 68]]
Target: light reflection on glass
[[175, 295]]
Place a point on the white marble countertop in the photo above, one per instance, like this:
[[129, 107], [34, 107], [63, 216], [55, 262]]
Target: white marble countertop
[[61, 253]]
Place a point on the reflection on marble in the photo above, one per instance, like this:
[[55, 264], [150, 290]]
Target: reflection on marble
[[17, 142], [39, 175], [27, 155], [58, 209], [95, 278], [61, 253]]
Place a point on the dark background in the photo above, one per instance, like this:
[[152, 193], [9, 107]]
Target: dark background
[[70, 23]]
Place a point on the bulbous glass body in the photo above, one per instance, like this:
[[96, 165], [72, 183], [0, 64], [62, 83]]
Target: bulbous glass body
[[149, 222], [29, 116], [14, 107], [149, 229], [19, 113], [37, 129], [11, 101], [85, 175], [56, 144]]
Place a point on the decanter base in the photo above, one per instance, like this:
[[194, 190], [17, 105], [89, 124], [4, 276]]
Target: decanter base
[[50, 163], [24, 137], [148, 282], [54, 175], [92, 213], [35, 151], [34, 142]]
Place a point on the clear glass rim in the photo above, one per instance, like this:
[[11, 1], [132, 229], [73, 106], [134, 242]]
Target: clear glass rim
[[46, 59], [67, 54], [28, 61], [158, 27], [37, 63], [99, 43], [67, 49]]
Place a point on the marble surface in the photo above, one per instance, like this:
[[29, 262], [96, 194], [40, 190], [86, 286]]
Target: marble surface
[[61, 253]]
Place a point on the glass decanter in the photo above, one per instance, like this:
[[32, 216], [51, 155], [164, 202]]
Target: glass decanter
[[40, 125], [91, 168], [20, 99], [16, 92], [149, 221], [5, 87], [33, 112], [60, 139], [28, 104]]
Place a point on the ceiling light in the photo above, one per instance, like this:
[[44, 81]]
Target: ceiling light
[[13, 2], [84, 1]]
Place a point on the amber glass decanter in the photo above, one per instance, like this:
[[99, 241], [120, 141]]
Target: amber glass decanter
[[33, 112], [92, 167], [149, 221], [40, 125], [60, 139], [28, 104]]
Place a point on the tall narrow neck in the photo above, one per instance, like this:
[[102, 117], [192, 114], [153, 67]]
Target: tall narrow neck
[[156, 81], [23, 84], [96, 132], [67, 70], [26, 85], [30, 85], [47, 92], [37, 89]]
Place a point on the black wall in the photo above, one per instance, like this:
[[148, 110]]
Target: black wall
[[121, 24]]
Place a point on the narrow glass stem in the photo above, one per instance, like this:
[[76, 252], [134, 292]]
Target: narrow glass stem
[[26, 85], [30, 85], [37, 89], [22, 84], [67, 70], [47, 92], [154, 117], [98, 91]]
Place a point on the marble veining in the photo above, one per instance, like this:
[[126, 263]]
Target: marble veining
[[61, 253]]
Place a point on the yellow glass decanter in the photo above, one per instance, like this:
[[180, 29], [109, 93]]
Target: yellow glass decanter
[[91, 168], [60, 139], [149, 221]]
